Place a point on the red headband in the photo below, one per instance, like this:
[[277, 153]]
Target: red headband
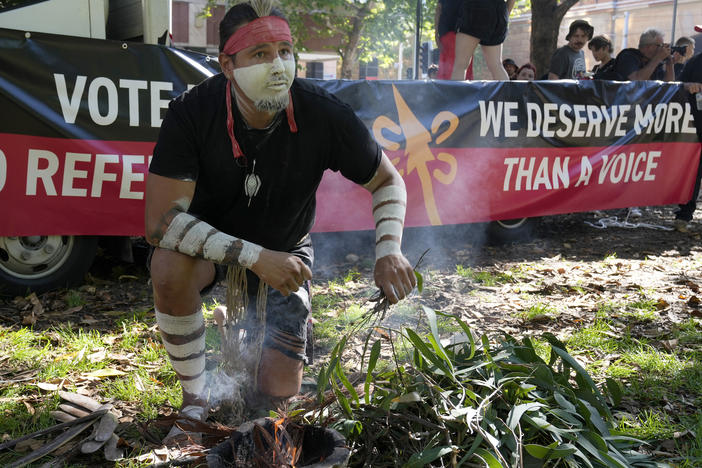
[[264, 29]]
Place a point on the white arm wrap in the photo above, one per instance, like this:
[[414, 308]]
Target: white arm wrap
[[389, 214], [190, 236]]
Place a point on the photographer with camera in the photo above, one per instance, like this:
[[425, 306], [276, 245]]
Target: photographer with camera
[[683, 50], [653, 60]]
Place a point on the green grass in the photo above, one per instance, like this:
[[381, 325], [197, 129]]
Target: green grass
[[538, 312], [74, 298], [649, 425], [486, 278]]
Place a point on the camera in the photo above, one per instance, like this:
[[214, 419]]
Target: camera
[[679, 49]]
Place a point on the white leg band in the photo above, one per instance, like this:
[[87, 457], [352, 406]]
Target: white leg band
[[195, 386], [185, 350], [183, 326], [190, 367], [180, 325]]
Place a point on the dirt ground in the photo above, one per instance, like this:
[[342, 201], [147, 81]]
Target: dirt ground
[[566, 249], [569, 267]]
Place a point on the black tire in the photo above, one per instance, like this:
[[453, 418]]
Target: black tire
[[42, 263], [511, 230]]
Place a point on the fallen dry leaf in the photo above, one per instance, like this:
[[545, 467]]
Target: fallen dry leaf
[[49, 387], [30, 319], [30, 408], [102, 373], [37, 308]]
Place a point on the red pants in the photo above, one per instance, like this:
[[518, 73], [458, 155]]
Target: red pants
[[447, 57]]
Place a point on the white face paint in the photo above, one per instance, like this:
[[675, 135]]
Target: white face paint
[[267, 84]]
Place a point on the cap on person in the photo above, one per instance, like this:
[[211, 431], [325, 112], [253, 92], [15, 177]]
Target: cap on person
[[580, 24], [698, 28], [509, 61]]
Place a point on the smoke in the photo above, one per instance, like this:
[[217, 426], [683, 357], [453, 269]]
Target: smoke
[[226, 389]]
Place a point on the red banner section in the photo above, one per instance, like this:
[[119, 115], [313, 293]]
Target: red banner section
[[53, 185], [465, 185], [63, 186]]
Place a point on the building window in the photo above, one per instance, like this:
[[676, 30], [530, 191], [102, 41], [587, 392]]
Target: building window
[[181, 27], [315, 70]]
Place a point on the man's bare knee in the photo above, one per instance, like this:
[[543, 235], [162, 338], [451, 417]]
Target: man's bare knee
[[176, 277]]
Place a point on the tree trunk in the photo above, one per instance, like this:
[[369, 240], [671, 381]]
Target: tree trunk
[[546, 17], [350, 52]]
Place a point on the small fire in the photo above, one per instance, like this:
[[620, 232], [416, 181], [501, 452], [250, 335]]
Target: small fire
[[279, 449]]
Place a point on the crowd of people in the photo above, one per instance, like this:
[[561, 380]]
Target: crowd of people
[[463, 25]]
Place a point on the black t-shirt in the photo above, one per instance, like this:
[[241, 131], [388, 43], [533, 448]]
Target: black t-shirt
[[632, 60], [193, 144]]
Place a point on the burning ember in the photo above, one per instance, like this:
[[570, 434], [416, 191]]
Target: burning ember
[[269, 443]]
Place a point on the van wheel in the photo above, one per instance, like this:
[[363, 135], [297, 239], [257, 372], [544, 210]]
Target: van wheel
[[41, 263], [511, 230]]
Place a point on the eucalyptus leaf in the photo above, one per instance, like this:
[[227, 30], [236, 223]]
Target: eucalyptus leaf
[[615, 390], [420, 281], [372, 361], [423, 458], [489, 458], [435, 339], [339, 372], [550, 452], [515, 414], [422, 348]]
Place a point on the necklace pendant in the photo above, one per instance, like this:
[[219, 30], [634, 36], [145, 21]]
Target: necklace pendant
[[252, 184]]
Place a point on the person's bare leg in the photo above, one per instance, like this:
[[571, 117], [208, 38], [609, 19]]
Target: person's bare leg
[[279, 375], [177, 281], [465, 46], [493, 59]]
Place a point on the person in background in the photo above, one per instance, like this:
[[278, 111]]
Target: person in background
[[526, 72], [481, 22], [653, 60], [679, 59], [445, 37], [601, 48], [432, 71], [568, 62], [691, 76], [511, 68]]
